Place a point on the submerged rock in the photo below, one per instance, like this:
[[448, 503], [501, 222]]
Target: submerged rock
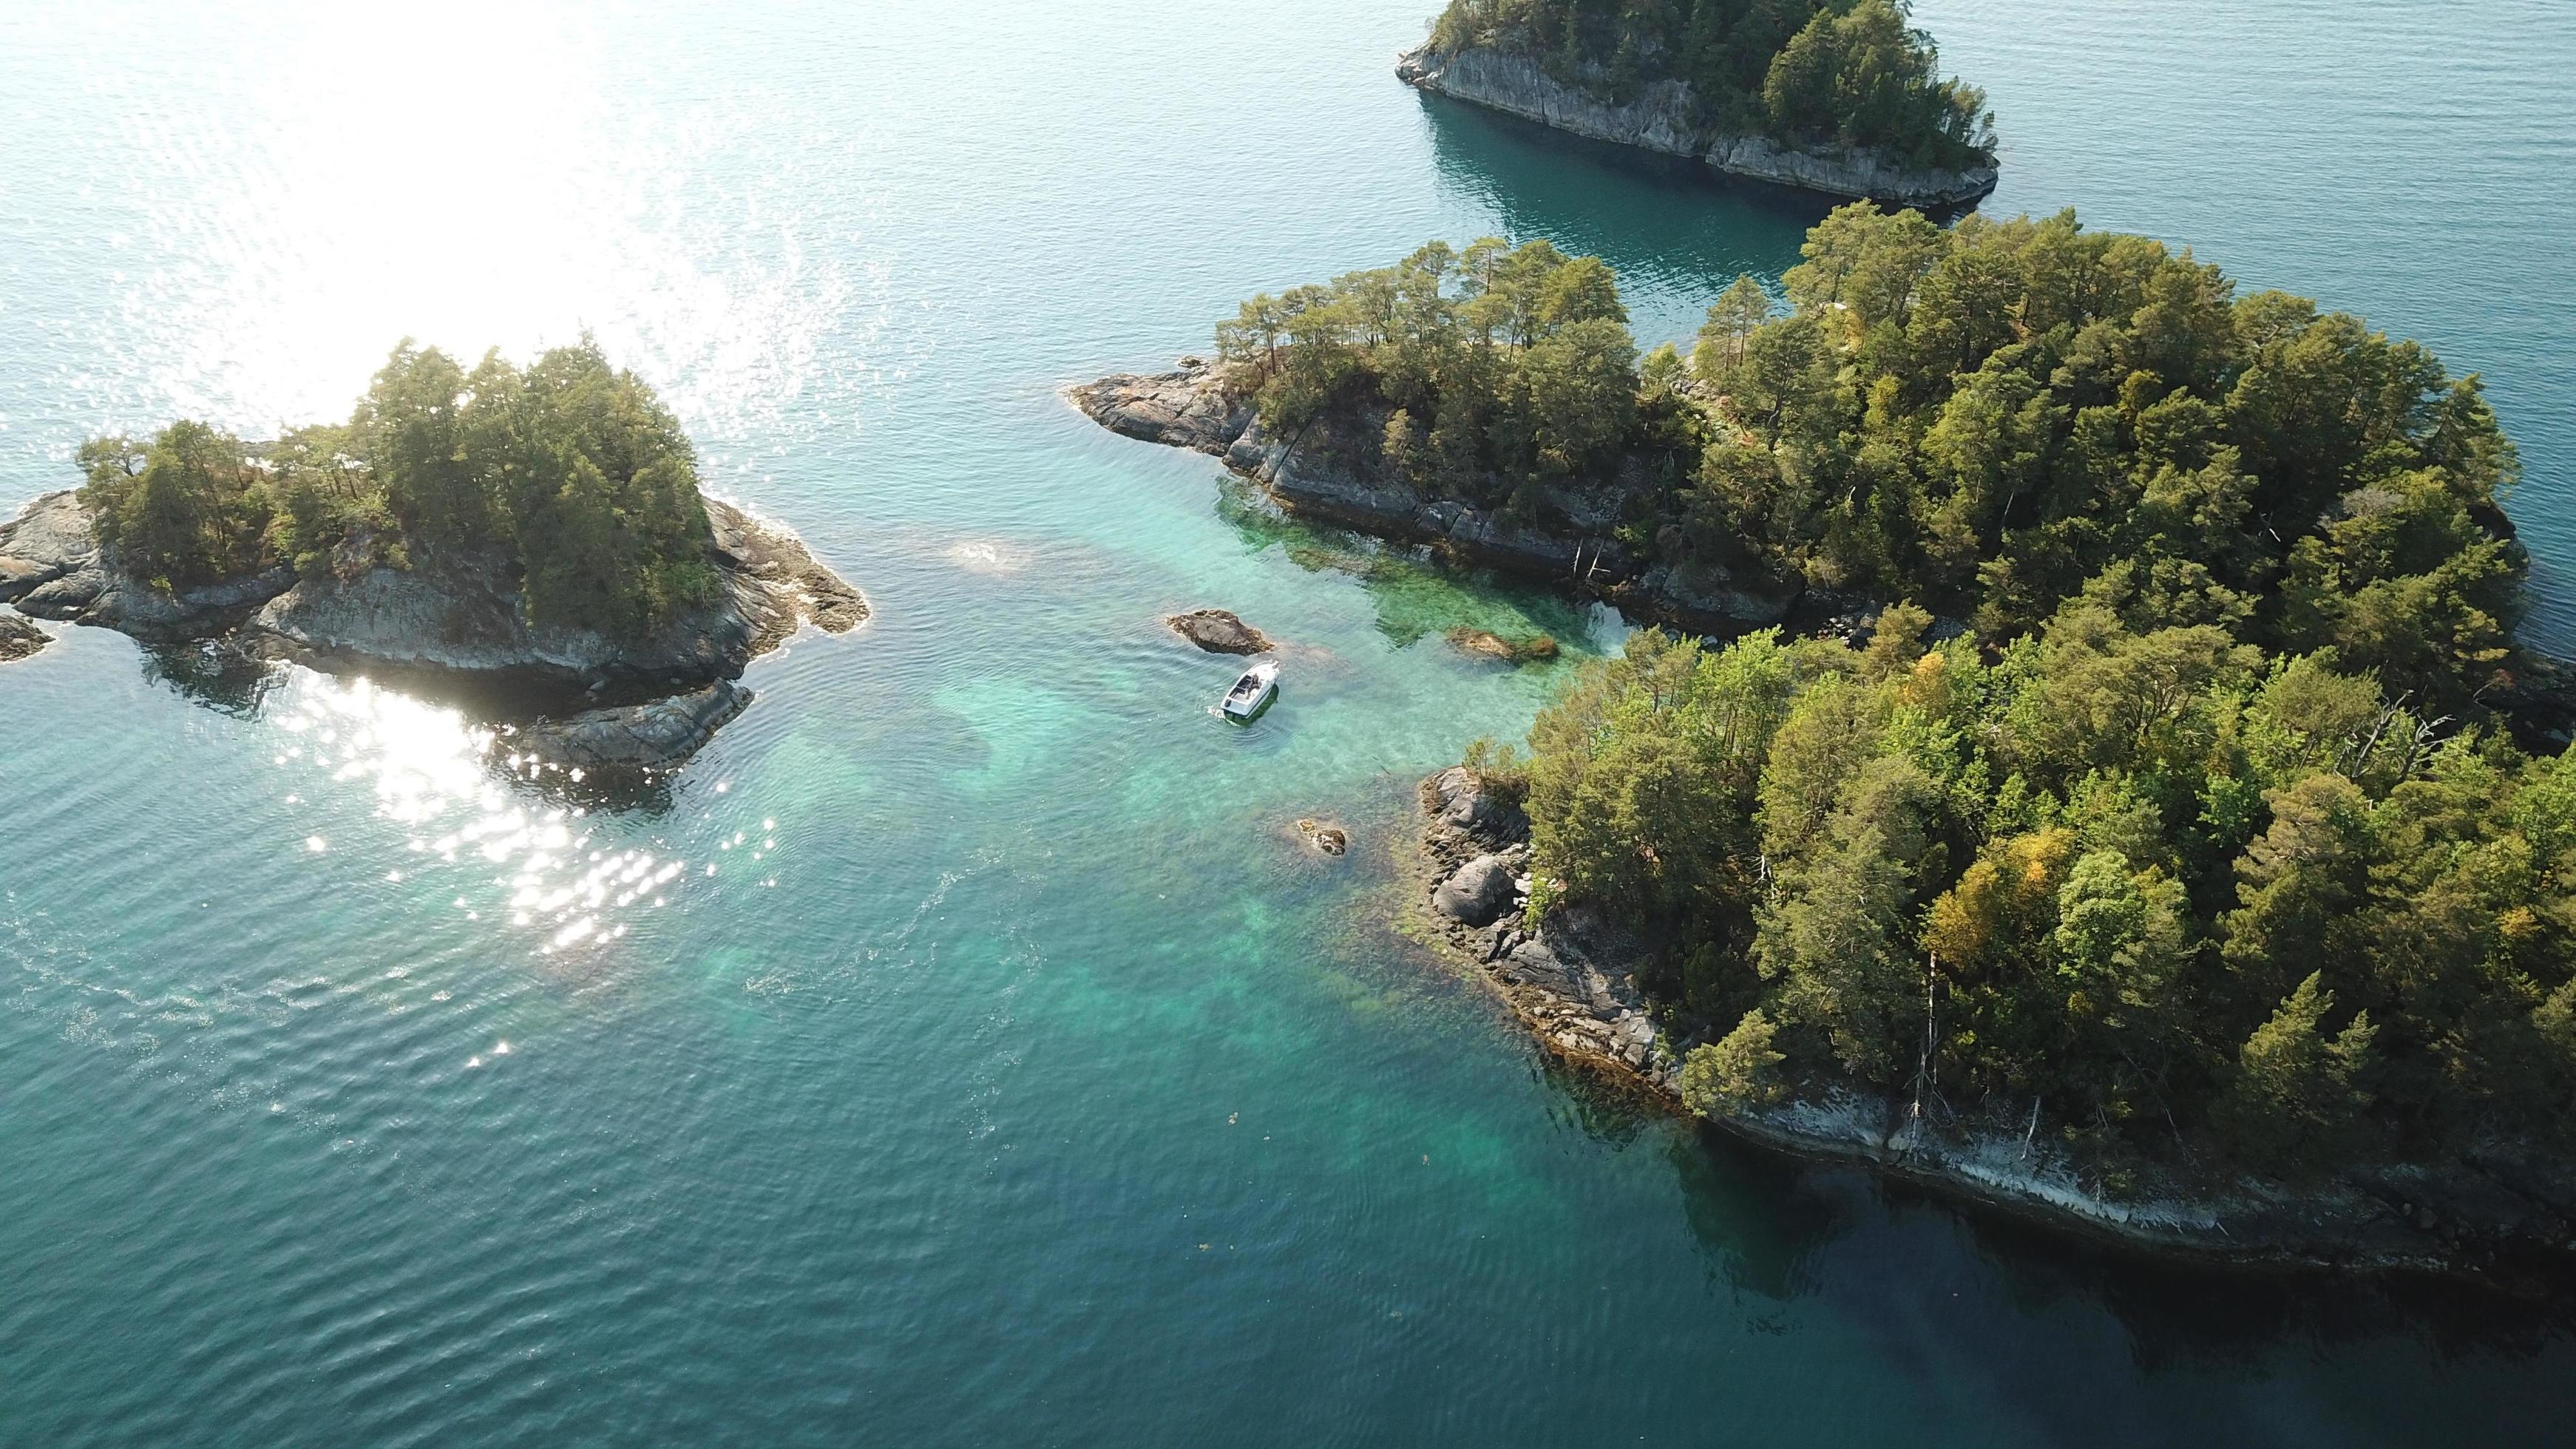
[[1328, 839], [1485, 644], [20, 638], [1219, 631]]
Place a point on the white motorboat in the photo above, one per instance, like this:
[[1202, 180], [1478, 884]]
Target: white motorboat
[[1253, 692]]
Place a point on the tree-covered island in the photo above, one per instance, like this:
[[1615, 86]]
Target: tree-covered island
[[1840, 96], [2151, 791], [541, 524]]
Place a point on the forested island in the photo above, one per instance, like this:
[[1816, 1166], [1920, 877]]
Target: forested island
[[542, 526], [2144, 828], [1839, 96]]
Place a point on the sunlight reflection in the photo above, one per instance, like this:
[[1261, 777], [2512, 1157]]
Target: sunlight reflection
[[445, 782], [418, 179]]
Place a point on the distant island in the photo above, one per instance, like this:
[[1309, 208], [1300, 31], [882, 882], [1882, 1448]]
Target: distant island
[[2143, 834], [542, 528], [1842, 97]]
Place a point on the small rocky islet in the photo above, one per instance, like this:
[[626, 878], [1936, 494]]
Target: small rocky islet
[[457, 616], [537, 534], [1840, 100], [1662, 118], [1218, 631]]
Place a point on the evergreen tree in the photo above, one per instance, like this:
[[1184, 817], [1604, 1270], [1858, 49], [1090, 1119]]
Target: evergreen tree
[[2297, 1094]]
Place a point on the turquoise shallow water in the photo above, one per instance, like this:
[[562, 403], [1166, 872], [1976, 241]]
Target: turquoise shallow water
[[963, 1049]]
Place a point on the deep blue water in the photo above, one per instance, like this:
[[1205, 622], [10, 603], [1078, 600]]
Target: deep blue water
[[963, 1049]]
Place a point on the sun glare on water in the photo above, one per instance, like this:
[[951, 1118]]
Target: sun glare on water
[[333, 178], [542, 867]]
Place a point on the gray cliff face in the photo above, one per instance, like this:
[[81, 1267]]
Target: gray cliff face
[[461, 613], [1660, 119], [1333, 472]]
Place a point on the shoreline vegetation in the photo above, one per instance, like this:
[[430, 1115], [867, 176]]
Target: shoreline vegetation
[[539, 532], [2144, 819], [1840, 97]]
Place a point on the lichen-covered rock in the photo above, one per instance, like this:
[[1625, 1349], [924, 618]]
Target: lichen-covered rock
[[48, 540], [1480, 815], [1219, 631], [52, 567]]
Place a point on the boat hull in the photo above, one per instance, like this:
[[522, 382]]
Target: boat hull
[[1245, 709]]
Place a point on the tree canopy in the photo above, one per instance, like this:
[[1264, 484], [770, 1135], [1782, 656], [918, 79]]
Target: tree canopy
[[572, 467], [1808, 72], [2167, 888], [2004, 417], [2164, 794], [2008, 422], [1506, 369]]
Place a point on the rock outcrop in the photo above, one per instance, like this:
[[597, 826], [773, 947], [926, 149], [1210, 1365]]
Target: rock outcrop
[[1219, 631], [1325, 838], [636, 736], [1334, 472], [1571, 981], [462, 613], [52, 568], [19, 638], [1662, 118], [459, 613]]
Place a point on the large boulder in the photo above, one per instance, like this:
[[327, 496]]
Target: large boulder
[[1480, 814], [18, 638], [1476, 892], [1219, 631]]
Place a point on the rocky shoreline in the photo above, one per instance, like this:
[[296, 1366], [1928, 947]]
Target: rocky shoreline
[[1571, 981], [1333, 472], [1661, 119], [645, 703]]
